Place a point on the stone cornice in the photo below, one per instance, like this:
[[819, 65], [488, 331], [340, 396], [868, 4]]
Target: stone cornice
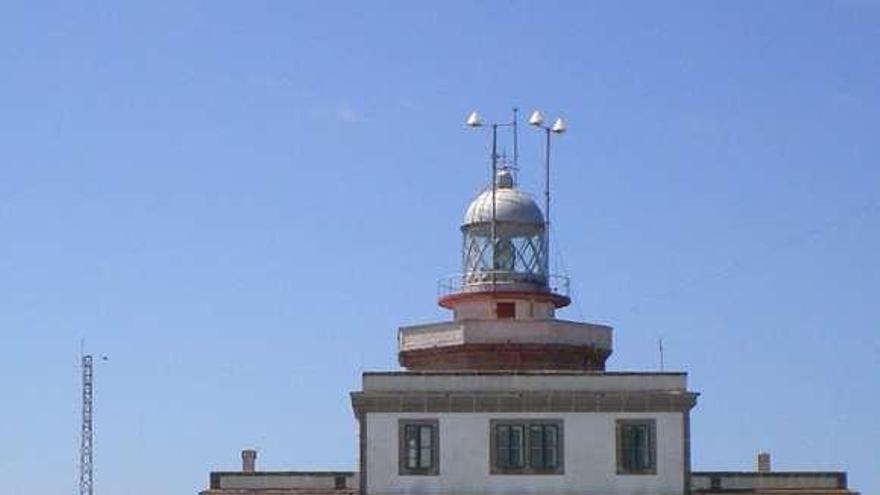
[[532, 401]]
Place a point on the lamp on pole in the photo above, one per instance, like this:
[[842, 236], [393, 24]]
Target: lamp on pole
[[537, 120], [474, 121]]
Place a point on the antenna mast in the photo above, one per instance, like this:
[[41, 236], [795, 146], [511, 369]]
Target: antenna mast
[[515, 139], [474, 121], [661, 355], [86, 486], [558, 127], [494, 184]]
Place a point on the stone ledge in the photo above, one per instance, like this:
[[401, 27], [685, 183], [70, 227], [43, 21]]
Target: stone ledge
[[535, 401], [465, 381]]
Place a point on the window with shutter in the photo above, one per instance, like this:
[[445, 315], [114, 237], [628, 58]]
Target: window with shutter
[[419, 447], [636, 446], [526, 447]]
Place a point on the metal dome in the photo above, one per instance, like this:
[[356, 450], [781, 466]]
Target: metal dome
[[511, 206]]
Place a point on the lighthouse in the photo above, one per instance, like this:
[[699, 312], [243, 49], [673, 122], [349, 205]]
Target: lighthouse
[[504, 300], [505, 396]]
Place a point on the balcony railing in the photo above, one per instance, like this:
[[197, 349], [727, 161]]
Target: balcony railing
[[502, 281]]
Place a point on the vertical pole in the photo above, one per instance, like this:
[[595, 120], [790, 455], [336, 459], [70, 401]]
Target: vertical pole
[[515, 140], [494, 174], [547, 203], [661, 355]]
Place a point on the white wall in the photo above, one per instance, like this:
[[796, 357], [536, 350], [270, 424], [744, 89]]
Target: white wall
[[484, 309], [589, 458]]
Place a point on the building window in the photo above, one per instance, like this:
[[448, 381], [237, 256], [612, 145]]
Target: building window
[[526, 447], [419, 441], [636, 446], [339, 482], [505, 310]]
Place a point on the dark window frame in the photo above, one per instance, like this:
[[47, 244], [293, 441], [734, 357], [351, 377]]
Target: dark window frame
[[624, 461], [505, 310], [527, 449], [403, 466]]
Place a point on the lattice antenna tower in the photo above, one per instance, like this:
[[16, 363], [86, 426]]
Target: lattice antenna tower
[[86, 485]]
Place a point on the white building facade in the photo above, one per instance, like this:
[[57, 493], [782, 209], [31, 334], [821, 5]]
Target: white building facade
[[505, 398], [549, 432]]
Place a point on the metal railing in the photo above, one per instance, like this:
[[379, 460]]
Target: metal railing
[[502, 281]]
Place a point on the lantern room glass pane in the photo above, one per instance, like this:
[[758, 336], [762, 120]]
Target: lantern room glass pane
[[505, 255], [513, 258]]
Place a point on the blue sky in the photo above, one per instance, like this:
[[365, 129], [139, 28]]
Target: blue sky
[[239, 203]]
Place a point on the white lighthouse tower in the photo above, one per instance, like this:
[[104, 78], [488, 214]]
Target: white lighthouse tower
[[504, 301]]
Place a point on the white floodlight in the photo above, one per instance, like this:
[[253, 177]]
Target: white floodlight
[[558, 126], [536, 119], [473, 120]]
